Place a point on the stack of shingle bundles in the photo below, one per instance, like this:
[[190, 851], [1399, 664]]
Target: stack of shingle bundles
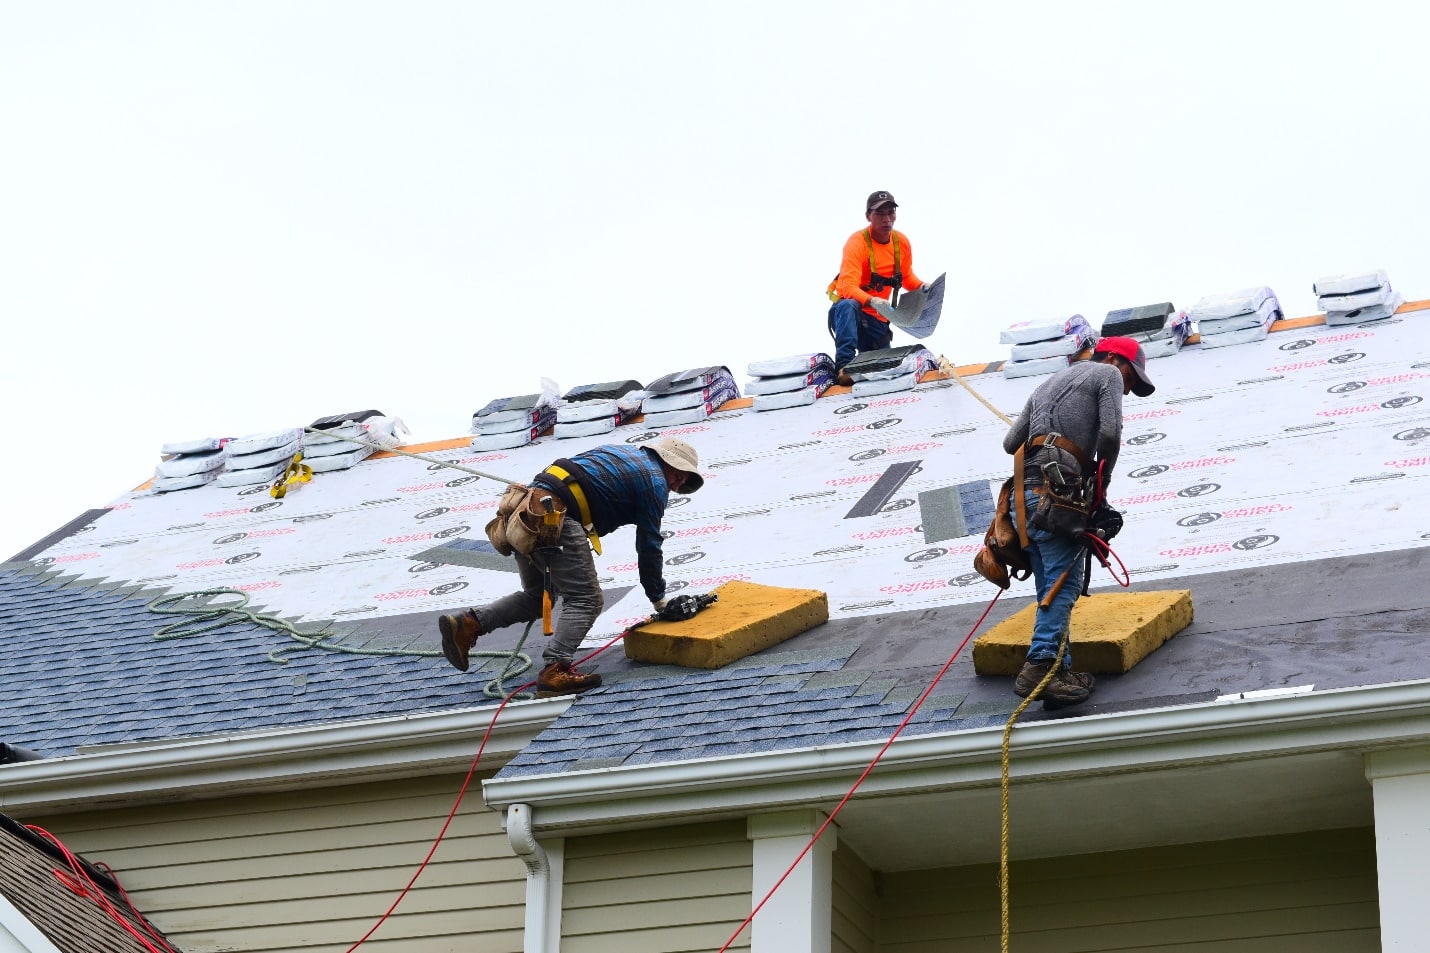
[[687, 396], [597, 408], [1238, 317], [260, 457], [1160, 328], [189, 463], [1044, 347], [509, 422], [793, 381], [1356, 299], [328, 451], [890, 369]]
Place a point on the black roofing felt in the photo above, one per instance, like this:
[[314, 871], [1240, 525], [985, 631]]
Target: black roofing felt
[[86, 669]]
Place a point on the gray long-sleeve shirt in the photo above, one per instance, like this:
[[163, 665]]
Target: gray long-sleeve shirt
[[1084, 404]]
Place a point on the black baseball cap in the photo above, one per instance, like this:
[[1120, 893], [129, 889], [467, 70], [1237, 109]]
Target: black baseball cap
[[877, 199]]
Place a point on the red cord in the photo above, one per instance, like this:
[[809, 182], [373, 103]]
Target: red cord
[[77, 879], [486, 736], [845, 800]]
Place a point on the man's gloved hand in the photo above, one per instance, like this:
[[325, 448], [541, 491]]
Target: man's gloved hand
[[924, 287], [683, 607]]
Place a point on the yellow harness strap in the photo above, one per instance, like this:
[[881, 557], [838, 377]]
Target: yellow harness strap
[[296, 472], [584, 508]]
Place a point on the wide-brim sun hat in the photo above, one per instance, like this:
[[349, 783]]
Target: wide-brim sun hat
[[679, 455]]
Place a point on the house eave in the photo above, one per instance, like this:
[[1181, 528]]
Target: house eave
[[237, 763], [1361, 719]]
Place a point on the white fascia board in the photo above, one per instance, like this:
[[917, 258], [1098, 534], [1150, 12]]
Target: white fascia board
[[347, 752], [1362, 719]]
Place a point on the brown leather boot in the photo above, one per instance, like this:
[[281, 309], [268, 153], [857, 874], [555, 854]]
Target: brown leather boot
[[459, 634], [559, 678]]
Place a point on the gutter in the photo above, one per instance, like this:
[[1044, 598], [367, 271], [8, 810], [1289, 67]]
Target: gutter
[[1360, 719], [345, 752]]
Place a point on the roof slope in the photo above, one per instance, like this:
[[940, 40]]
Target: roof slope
[[1260, 476], [30, 881]]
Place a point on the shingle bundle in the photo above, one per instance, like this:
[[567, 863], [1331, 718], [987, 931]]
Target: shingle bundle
[[328, 451], [1044, 347], [189, 463], [1356, 299], [688, 396], [793, 381], [509, 422], [1237, 317], [597, 408], [260, 457], [890, 369], [1159, 328]]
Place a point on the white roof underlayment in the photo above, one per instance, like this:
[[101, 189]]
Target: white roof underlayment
[[1303, 446]]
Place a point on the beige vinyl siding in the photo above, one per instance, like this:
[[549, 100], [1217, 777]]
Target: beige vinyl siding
[[670, 890], [312, 871], [1306, 893], [855, 915]]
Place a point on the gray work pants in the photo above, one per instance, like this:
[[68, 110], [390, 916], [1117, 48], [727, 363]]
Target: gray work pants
[[573, 574]]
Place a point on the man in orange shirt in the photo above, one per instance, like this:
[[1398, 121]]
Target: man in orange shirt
[[876, 260]]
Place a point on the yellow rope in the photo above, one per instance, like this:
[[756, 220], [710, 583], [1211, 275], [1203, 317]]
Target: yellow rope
[[1007, 741], [950, 371]]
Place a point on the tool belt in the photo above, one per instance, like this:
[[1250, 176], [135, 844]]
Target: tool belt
[[568, 482], [1063, 500], [528, 518], [1062, 509]]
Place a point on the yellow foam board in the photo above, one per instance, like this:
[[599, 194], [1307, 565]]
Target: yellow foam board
[[747, 618], [1111, 632]]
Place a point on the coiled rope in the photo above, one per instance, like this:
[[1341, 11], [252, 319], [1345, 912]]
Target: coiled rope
[[202, 615]]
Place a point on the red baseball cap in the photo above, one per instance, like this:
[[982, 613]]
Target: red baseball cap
[[1131, 351]]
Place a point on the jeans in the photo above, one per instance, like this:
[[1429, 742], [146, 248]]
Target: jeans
[[573, 575], [1050, 554], [855, 331]]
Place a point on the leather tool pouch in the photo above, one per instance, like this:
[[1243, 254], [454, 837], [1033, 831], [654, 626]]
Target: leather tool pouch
[[528, 528], [1002, 554], [496, 529], [1062, 511]]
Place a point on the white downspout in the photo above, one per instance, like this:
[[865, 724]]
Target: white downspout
[[545, 865]]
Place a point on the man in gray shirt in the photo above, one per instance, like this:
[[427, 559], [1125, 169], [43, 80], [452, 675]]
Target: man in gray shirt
[[1083, 404]]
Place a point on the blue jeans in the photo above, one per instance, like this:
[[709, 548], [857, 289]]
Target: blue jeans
[[855, 331], [1050, 555], [573, 574]]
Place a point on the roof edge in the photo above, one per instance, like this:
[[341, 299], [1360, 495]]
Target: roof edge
[[1370, 718], [345, 752]]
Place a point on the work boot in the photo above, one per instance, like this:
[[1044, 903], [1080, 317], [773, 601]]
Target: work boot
[[1063, 690], [459, 634], [842, 378], [559, 678]]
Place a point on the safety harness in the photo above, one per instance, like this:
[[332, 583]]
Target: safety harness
[[567, 479], [878, 282]]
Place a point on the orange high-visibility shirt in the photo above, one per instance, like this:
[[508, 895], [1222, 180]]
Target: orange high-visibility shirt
[[854, 269]]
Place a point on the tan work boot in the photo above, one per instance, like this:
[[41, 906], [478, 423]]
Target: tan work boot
[[459, 634], [842, 378], [559, 678], [1063, 690]]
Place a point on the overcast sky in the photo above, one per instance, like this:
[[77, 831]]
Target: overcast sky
[[217, 219]]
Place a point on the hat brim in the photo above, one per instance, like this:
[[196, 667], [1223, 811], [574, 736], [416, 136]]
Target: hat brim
[[693, 482], [1142, 387]]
